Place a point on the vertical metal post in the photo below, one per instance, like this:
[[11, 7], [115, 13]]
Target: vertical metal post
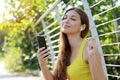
[[94, 32], [116, 25], [50, 44], [58, 14]]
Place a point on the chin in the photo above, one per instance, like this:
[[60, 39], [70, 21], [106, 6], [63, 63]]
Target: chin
[[66, 32]]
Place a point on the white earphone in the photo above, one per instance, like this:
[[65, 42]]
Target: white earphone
[[82, 27]]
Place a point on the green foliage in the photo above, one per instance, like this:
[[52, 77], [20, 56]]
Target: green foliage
[[13, 60], [65, 1], [18, 39], [3, 33], [18, 32]]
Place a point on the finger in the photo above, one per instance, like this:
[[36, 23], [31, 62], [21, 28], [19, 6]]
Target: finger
[[91, 47], [92, 42], [46, 54], [42, 53], [47, 57], [40, 57], [40, 49], [92, 39]]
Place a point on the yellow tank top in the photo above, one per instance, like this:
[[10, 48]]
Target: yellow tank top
[[79, 70]]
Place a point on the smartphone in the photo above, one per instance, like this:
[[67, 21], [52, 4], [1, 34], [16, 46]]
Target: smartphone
[[41, 41]]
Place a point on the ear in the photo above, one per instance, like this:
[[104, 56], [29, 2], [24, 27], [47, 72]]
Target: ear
[[83, 27]]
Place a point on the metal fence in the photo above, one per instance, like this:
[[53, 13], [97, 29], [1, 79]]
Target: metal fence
[[51, 29]]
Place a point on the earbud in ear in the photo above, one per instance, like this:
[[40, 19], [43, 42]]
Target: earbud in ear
[[81, 29]]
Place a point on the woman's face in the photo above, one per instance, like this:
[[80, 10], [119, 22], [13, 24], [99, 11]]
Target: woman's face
[[71, 23]]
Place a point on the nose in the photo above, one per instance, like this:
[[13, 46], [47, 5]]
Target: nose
[[67, 20]]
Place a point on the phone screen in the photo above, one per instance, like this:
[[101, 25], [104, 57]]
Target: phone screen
[[41, 41]]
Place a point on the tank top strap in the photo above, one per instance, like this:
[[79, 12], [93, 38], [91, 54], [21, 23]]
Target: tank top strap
[[80, 52]]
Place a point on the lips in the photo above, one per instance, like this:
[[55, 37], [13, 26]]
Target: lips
[[66, 26]]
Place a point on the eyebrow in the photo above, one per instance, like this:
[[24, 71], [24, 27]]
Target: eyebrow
[[71, 16]]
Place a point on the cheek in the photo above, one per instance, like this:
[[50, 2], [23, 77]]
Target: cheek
[[77, 25], [61, 23]]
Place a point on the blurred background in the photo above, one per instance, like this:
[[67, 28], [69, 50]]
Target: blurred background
[[21, 20]]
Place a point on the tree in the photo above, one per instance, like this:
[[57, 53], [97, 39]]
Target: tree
[[20, 31]]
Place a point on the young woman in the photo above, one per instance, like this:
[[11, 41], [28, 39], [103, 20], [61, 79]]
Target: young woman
[[78, 58]]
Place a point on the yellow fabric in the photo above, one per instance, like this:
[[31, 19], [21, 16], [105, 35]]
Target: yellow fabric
[[79, 70]]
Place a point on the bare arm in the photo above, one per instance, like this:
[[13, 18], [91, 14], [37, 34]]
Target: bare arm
[[41, 53], [94, 60]]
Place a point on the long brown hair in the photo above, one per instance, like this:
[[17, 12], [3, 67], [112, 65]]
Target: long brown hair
[[65, 51]]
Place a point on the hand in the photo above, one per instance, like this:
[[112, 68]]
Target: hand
[[42, 55], [92, 46], [94, 60]]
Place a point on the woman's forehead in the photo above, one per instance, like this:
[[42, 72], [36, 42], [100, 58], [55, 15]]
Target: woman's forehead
[[72, 13]]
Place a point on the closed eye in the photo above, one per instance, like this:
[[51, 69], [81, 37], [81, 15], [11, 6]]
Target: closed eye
[[64, 18], [73, 19]]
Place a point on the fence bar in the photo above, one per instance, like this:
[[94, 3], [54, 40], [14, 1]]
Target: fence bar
[[51, 24], [55, 41], [55, 35], [113, 76], [47, 12], [106, 10], [108, 22], [49, 41], [96, 4], [94, 32], [110, 44], [58, 14], [109, 33], [112, 65], [111, 54], [54, 29]]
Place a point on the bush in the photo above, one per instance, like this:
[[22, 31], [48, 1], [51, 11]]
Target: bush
[[13, 60]]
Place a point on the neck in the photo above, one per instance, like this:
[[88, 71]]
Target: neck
[[74, 40]]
